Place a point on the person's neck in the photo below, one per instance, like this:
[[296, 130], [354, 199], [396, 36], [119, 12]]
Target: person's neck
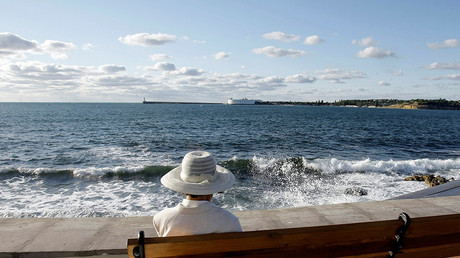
[[200, 198]]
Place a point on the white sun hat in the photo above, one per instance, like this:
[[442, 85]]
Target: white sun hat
[[199, 175]]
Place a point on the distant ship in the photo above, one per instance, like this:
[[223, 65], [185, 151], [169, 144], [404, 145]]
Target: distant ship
[[243, 101]]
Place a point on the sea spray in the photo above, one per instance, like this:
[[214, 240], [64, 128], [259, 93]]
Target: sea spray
[[261, 183]]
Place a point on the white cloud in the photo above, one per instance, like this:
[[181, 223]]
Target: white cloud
[[336, 75], [33, 72], [120, 81], [225, 84], [272, 51], [384, 83], [278, 35], [55, 82], [157, 57], [374, 52], [147, 40], [111, 68], [449, 43], [436, 66], [300, 78], [12, 54], [365, 42], [222, 55], [187, 71], [36, 81], [13, 42], [195, 40], [57, 49], [109, 81], [15, 47], [164, 66], [272, 79], [87, 46], [445, 77], [199, 41], [313, 40]]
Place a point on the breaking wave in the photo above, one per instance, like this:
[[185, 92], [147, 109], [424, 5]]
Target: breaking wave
[[258, 165]]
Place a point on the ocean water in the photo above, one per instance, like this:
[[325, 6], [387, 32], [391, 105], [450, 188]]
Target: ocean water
[[90, 160]]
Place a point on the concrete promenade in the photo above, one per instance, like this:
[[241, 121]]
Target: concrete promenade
[[68, 237]]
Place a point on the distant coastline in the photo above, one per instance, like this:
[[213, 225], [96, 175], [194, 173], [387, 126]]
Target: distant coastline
[[438, 104]]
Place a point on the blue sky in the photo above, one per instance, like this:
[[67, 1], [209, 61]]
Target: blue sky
[[123, 51]]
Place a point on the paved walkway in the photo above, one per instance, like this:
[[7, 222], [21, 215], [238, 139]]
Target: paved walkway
[[51, 237]]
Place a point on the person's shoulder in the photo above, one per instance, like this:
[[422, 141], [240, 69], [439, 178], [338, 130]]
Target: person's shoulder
[[222, 211], [166, 212], [228, 222]]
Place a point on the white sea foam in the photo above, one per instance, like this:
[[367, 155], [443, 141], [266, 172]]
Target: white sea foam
[[26, 170], [93, 171], [367, 165], [381, 179], [275, 184]]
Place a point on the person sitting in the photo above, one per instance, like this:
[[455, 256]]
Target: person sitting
[[198, 177]]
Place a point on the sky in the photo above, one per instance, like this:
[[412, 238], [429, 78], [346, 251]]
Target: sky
[[209, 51]]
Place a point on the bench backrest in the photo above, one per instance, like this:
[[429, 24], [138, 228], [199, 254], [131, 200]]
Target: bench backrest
[[437, 236]]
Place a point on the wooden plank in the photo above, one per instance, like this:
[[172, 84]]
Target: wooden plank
[[437, 236], [369, 239], [321, 240], [449, 250]]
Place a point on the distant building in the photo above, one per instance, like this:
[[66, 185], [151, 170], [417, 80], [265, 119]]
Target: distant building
[[243, 101]]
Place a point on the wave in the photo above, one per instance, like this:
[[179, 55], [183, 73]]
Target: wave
[[124, 173], [416, 166], [257, 166], [337, 166], [262, 183]]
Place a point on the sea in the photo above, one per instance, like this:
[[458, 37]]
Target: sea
[[106, 159]]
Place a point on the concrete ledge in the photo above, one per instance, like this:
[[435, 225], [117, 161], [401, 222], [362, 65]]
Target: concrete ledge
[[51, 237], [67, 237], [448, 189], [347, 213]]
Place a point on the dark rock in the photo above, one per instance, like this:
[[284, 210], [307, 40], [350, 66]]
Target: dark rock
[[357, 191], [430, 180]]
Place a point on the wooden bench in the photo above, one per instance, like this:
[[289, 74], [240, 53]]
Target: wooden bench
[[437, 236]]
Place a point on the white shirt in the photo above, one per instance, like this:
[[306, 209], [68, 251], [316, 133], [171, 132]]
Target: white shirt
[[193, 218]]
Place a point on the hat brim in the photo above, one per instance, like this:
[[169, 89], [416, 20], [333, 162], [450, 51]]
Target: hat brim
[[224, 180]]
